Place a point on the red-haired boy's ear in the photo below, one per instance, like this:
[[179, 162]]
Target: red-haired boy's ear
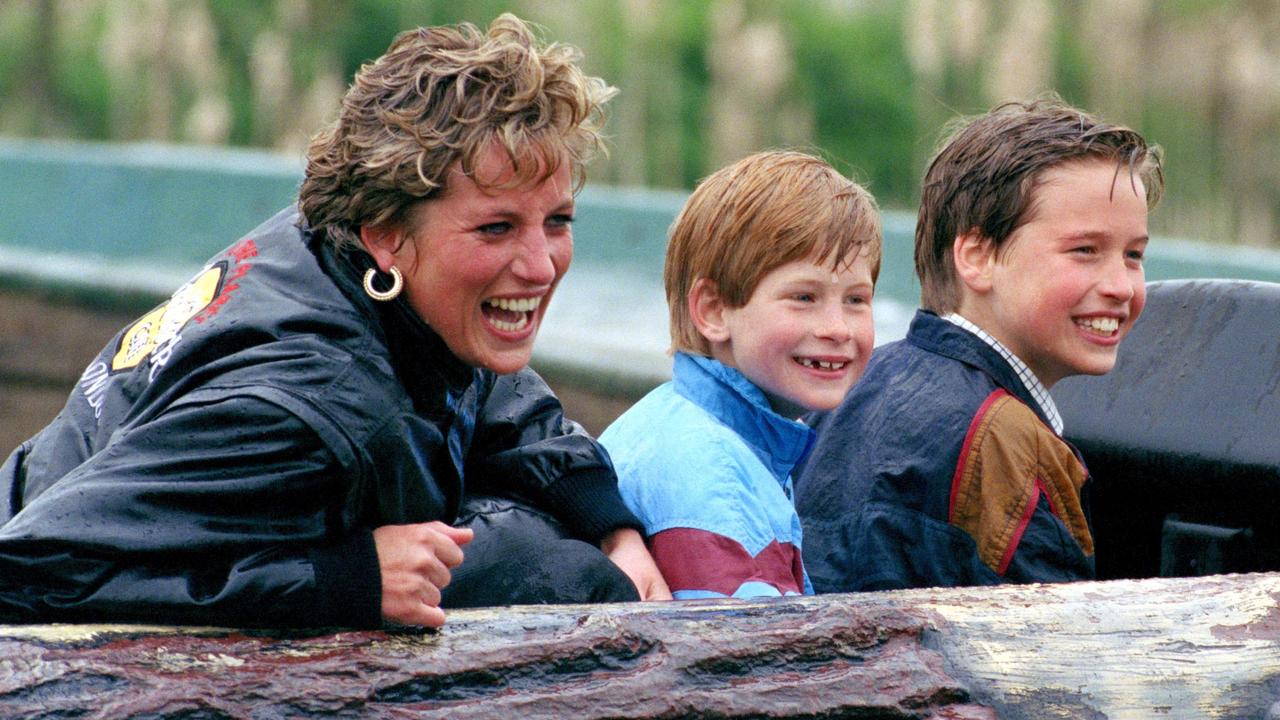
[[706, 309], [383, 243], [974, 255]]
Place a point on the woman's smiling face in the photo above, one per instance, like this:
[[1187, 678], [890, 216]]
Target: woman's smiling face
[[481, 261]]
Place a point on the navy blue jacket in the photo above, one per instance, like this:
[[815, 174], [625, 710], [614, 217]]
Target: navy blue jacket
[[939, 469], [225, 459]]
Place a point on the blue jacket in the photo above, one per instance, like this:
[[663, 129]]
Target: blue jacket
[[225, 459], [939, 469], [706, 466]]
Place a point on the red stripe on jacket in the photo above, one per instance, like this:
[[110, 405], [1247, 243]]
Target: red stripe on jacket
[[691, 559]]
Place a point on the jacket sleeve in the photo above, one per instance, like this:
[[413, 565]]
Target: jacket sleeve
[[702, 564], [1046, 552], [217, 511], [891, 547], [525, 448]]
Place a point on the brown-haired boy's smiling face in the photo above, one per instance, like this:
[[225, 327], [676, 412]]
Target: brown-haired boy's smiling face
[[1068, 284]]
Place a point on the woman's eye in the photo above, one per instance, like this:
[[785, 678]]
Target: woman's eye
[[497, 228], [802, 297], [1137, 255], [562, 220]]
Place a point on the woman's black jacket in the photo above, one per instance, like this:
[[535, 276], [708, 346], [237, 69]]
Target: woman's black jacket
[[225, 459]]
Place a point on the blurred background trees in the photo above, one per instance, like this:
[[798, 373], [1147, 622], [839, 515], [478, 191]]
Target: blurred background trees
[[868, 83]]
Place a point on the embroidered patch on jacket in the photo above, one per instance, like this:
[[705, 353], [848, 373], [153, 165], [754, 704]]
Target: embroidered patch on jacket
[[159, 328], [240, 255]]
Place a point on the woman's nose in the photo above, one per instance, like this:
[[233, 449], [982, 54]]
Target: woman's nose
[[534, 262]]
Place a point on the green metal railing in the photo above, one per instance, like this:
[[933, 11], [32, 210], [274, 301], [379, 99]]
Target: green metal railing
[[127, 224]]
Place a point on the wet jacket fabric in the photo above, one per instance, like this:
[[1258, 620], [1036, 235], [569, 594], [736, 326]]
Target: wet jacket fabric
[[939, 469], [705, 463], [225, 458]]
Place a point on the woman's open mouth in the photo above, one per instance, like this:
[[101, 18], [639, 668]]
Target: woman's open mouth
[[510, 314]]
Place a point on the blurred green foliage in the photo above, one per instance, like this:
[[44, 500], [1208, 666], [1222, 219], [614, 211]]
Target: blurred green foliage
[[853, 69], [859, 87]]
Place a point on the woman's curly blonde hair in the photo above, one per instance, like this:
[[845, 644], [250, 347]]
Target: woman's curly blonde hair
[[441, 95]]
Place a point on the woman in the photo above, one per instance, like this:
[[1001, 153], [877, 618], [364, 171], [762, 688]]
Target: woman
[[285, 440]]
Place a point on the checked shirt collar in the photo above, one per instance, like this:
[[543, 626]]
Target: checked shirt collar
[[1028, 378]]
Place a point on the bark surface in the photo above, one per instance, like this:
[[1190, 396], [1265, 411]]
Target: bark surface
[[1193, 647]]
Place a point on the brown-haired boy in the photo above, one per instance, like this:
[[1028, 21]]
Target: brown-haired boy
[[945, 465], [770, 272]]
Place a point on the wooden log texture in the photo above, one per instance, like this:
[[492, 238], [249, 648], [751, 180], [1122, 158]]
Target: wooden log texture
[[1160, 648]]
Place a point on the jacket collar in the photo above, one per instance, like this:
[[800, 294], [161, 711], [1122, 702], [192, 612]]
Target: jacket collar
[[736, 402], [421, 358], [937, 335]]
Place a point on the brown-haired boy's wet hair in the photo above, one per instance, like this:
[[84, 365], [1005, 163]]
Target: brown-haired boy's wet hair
[[762, 212], [985, 176]]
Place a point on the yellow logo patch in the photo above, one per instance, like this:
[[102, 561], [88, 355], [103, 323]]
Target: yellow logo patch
[[162, 324]]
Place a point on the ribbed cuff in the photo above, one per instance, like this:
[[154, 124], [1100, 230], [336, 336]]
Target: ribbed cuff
[[589, 505], [348, 583]]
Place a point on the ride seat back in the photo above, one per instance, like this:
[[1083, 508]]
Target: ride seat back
[[1182, 437]]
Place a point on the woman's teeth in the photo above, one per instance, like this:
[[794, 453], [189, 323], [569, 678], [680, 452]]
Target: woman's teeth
[[516, 304], [511, 314], [505, 326], [1106, 326]]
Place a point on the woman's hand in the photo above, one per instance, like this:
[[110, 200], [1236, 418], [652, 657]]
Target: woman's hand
[[415, 561], [626, 549]]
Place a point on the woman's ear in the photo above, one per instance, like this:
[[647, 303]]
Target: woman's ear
[[974, 255], [706, 309], [383, 243]]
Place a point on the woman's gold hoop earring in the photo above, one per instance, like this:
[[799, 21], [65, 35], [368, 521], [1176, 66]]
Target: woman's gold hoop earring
[[397, 284]]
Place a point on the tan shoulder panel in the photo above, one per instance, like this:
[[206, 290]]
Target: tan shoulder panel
[[1010, 457]]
